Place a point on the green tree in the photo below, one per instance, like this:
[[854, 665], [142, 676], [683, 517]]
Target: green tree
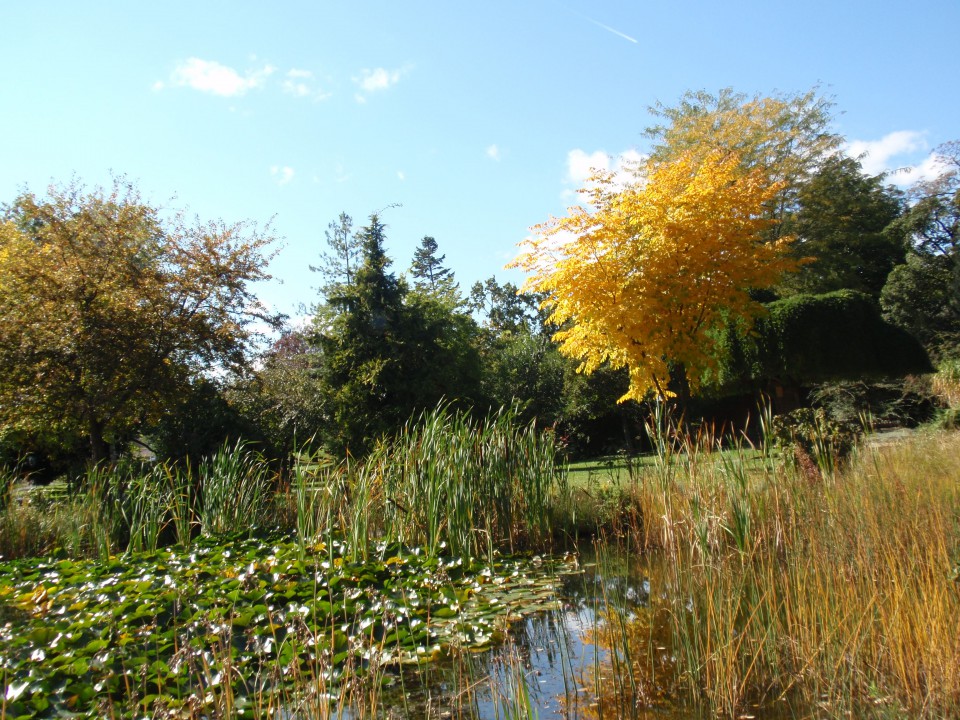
[[845, 225], [441, 353], [282, 399], [340, 262], [108, 310], [429, 274], [923, 297], [933, 217], [506, 308], [923, 294], [384, 353], [360, 347], [197, 421]]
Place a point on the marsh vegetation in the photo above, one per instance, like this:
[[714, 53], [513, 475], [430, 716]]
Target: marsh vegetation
[[729, 582]]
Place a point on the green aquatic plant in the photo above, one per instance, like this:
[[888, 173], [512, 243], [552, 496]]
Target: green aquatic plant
[[450, 484], [236, 625], [234, 490]]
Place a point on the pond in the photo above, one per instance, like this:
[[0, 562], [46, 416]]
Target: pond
[[252, 628], [574, 659]]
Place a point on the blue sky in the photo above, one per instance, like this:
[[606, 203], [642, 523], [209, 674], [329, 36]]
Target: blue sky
[[470, 122]]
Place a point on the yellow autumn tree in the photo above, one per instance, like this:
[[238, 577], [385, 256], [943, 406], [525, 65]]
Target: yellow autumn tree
[[788, 136], [645, 276]]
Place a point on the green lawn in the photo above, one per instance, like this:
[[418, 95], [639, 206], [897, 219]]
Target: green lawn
[[615, 470]]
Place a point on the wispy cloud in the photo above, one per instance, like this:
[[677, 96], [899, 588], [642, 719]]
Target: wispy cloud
[[211, 77], [376, 80], [493, 152], [281, 174], [581, 166], [896, 154], [341, 175], [612, 30], [301, 84]]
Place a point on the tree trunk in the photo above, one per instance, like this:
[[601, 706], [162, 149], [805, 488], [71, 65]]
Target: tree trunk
[[99, 449]]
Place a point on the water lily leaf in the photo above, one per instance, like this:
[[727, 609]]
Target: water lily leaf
[[43, 635], [243, 618]]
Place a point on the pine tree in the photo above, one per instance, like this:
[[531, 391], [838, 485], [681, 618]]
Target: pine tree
[[342, 261], [430, 275], [361, 347]]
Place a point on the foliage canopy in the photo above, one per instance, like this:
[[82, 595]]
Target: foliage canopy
[[645, 280], [785, 136], [106, 309], [807, 339]]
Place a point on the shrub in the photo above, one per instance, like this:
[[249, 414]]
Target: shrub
[[811, 433]]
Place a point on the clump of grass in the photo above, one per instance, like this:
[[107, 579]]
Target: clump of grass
[[946, 382], [234, 490], [449, 484], [28, 526], [838, 590]]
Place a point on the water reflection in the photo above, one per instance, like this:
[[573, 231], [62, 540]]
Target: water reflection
[[576, 660], [602, 651]]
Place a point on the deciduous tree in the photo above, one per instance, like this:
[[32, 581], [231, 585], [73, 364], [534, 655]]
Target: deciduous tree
[[786, 136], [646, 279], [107, 309], [923, 294], [933, 218], [845, 223]]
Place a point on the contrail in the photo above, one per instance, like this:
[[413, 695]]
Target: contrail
[[615, 32]]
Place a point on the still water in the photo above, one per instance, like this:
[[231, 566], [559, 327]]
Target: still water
[[576, 659]]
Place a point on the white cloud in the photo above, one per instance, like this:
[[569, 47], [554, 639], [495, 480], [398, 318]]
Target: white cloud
[[581, 166], [300, 83], [401, 175], [370, 81], [296, 88], [493, 152], [930, 168], [212, 77], [897, 154], [875, 155], [378, 79], [281, 174]]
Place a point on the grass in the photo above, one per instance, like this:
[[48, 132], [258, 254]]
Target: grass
[[447, 484], [618, 470], [838, 590]]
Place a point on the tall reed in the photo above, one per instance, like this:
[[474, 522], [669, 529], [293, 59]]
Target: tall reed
[[234, 490], [838, 589], [450, 483]]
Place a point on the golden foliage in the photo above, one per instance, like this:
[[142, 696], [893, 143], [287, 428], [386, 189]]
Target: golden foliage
[[643, 279], [786, 136]]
